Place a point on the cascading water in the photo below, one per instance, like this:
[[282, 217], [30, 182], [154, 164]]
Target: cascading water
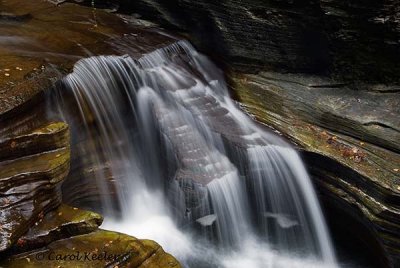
[[188, 164]]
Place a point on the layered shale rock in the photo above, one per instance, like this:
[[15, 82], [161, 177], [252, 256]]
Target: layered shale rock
[[39, 43], [349, 139], [351, 40], [345, 119], [33, 165]]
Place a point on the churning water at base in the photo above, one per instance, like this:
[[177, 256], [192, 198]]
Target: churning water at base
[[190, 170]]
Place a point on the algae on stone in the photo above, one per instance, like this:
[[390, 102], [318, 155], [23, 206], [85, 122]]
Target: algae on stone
[[61, 223], [97, 249]]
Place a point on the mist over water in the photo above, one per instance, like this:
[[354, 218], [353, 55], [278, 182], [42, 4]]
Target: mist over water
[[192, 171]]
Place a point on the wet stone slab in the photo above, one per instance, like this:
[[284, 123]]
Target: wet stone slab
[[97, 249]]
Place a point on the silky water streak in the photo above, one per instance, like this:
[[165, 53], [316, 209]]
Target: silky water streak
[[188, 168]]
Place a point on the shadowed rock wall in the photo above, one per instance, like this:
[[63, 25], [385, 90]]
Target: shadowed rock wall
[[352, 40]]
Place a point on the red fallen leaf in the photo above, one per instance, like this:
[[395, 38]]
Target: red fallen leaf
[[353, 153], [21, 242], [348, 152]]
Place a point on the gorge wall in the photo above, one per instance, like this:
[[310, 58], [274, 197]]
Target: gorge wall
[[352, 40], [325, 75]]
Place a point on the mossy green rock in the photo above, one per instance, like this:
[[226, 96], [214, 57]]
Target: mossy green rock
[[61, 223], [47, 137], [98, 249]]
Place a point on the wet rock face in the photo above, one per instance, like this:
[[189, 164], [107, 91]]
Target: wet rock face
[[349, 142], [32, 167], [347, 125], [33, 55], [35, 147], [356, 40], [61, 223], [97, 249]]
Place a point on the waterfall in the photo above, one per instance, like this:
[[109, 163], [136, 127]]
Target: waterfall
[[189, 169]]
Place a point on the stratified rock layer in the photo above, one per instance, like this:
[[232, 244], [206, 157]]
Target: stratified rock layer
[[39, 43], [350, 141], [61, 223], [350, 39], [32, 167]]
